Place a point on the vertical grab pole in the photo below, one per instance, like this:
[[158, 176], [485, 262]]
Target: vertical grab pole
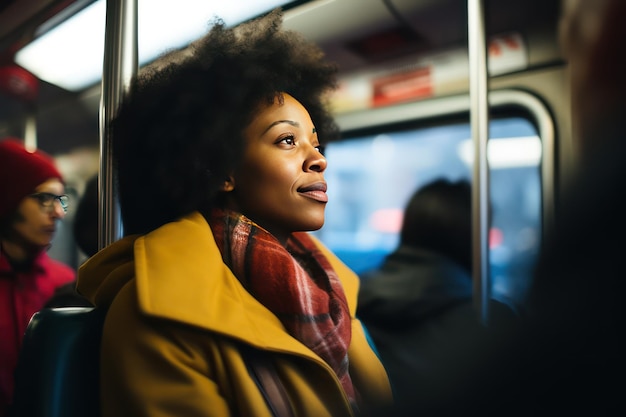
[[479, 119], [120, 65]]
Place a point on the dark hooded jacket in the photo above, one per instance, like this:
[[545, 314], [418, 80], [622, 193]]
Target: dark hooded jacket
[[419, 311]]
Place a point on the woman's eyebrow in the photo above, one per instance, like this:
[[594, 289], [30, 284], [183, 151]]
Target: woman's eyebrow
[[290, 122]]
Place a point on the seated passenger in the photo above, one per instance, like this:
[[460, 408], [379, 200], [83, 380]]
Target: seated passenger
[[221, 174], [32, 202], [418, 306]]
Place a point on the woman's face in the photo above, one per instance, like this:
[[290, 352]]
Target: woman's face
[[37, 225], [280, 182]]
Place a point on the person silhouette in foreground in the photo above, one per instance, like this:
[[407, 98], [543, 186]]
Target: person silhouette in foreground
[[574, 344]]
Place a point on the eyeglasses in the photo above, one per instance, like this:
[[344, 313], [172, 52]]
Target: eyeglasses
[[46, 200]]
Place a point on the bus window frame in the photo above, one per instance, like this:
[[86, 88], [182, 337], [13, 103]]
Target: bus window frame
[[501, 102]]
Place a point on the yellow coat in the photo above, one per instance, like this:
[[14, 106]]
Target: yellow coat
[[175, 316]]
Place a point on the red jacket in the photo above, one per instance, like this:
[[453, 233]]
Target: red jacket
[[22, 293]]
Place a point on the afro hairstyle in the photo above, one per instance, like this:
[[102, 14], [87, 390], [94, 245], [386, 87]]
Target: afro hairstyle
[[178, 133]]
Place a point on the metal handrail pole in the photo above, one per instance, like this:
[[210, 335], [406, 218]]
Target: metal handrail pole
[[479, 120], [119, 67]]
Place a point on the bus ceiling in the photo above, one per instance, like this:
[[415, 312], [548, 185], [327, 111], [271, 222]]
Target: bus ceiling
[[381, 31]]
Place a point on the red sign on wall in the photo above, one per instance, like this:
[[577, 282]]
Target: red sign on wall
[[409, 85]]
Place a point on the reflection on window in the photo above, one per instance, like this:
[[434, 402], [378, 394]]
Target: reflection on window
[[371, 179]]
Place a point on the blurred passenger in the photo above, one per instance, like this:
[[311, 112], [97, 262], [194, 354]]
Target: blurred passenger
[[32, 201], [418, 305], [85, 230], [85, 226], [217, 297]]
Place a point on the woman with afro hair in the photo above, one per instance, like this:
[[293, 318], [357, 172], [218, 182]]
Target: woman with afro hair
[[219, 303]]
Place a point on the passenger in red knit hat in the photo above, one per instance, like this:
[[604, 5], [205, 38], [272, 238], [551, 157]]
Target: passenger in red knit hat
[[32, 201]]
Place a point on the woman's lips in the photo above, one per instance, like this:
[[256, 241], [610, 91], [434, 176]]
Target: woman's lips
[[316, 195], [315, 191]]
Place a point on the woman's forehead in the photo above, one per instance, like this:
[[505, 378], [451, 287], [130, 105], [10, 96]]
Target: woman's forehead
[[53, 185], [288, 109]]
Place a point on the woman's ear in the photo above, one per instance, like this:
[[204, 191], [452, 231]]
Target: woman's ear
[[229, 184]]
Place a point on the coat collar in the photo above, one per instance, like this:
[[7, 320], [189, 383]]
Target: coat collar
[[192, 286]]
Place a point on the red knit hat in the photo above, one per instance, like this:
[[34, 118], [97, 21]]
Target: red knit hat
[[21, 172]]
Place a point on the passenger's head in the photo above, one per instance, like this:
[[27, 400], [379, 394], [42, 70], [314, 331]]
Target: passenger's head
[[191, 132], [592, 37], [438, 218], [85, 226], [32, 197]]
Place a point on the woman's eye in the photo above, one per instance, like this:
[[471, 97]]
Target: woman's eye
[[289, 140], [321, 149]]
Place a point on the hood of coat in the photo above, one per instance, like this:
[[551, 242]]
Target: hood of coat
[[179, 275], [412, 284]]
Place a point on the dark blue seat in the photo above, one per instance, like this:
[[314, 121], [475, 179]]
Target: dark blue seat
[[58, 370]]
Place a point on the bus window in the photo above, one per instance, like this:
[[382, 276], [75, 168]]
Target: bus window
[[371, 178]]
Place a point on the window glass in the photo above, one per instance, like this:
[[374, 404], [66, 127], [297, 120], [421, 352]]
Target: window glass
[[372, 177]]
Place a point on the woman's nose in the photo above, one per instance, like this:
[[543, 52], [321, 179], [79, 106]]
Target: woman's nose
[[316, 161], [57, 209]]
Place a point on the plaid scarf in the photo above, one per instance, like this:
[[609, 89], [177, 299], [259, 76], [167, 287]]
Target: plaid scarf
[[296, 283]]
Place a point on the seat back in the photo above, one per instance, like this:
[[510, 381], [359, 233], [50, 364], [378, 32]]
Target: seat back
[[58, 373]]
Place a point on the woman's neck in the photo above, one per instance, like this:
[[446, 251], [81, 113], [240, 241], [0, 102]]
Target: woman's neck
[[15, 252]]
